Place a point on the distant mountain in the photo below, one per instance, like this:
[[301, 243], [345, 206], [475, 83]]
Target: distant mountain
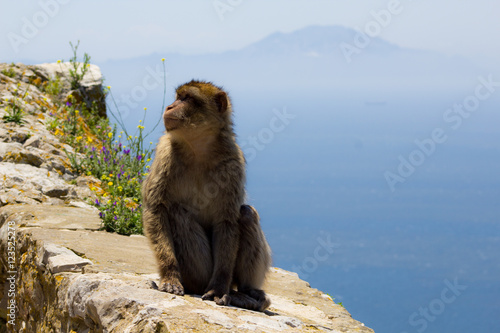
[[313, 41], [309, 59]]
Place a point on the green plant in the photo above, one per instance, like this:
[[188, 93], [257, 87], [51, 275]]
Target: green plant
[[14, 110], [119, 161], [76, 72], [9, 72], [53, 86]]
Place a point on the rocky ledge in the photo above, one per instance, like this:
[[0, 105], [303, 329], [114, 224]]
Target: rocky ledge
[[61, 273]]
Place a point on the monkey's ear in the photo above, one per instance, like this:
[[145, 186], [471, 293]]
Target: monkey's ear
[[221, 101]]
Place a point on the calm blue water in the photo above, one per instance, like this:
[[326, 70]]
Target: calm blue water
[[318, 177]]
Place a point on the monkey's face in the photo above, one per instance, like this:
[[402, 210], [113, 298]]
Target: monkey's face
[[197, 105]]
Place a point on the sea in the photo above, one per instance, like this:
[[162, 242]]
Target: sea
[[387, 200]]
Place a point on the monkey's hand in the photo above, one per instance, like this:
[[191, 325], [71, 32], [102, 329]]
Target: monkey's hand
[[172, 286], [220, 298]]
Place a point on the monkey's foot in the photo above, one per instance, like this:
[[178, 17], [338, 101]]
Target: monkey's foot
[[173, 288], [210, 296]]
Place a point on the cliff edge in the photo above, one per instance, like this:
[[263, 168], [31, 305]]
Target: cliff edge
[[62, 273]]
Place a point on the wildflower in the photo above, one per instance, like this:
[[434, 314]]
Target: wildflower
[[89, 140], [110, 184], [150, 142], [68, 103], [58, 61], [77, 112], [126, 151], [109, 87], [141, 119], [162, 59], [111, 175], [97, 202], [119, 136], [139, 157], [149, 159], [89, 173], [93, 188], [101, 215], [120, 188], [116, 217], [78, 138], [110, 135]]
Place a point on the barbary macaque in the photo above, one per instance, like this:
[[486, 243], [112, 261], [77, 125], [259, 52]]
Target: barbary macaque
[[206, 240]]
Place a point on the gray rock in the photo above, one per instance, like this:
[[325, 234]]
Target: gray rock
[[90, 89]]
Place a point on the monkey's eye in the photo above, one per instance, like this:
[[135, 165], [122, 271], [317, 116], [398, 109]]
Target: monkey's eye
[[185, 97]]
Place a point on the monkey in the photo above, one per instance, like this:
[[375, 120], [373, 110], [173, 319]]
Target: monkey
[[206, 240]]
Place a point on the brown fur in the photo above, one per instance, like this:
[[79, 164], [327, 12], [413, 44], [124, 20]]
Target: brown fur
[[206, 240]]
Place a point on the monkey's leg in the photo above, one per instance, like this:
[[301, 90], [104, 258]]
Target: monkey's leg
[[253, 262], [157, 228]]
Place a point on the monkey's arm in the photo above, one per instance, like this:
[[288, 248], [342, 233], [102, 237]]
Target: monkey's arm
[[157, 227]]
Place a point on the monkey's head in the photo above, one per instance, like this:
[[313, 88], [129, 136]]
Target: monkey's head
[[198, 105]]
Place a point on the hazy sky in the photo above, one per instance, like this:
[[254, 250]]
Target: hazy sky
[[40, 30]]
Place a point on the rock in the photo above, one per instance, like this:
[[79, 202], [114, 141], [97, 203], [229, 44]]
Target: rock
[[90, 89], [34, 141], [113, 292], [59, 259], [14, 152]]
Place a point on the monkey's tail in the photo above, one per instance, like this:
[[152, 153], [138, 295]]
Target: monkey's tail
[[242, 300]]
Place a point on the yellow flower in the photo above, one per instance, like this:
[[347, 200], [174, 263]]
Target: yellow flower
[[150, 142], [110, 135], [109, 87], [77, 112], [120, 188], [89, 140], [141, 119], [93, 188], [119, 136], [89, 173], [58, 61], [110, 184], [162, 59], [111, 175], [78, 138], [135, 199], [144, 110]]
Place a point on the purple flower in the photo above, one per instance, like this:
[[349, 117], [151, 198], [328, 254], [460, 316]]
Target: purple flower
[[101, 215], [139, 157], [68, 104], [116, 217], [91, 156], [126, 151], [97, 203]]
